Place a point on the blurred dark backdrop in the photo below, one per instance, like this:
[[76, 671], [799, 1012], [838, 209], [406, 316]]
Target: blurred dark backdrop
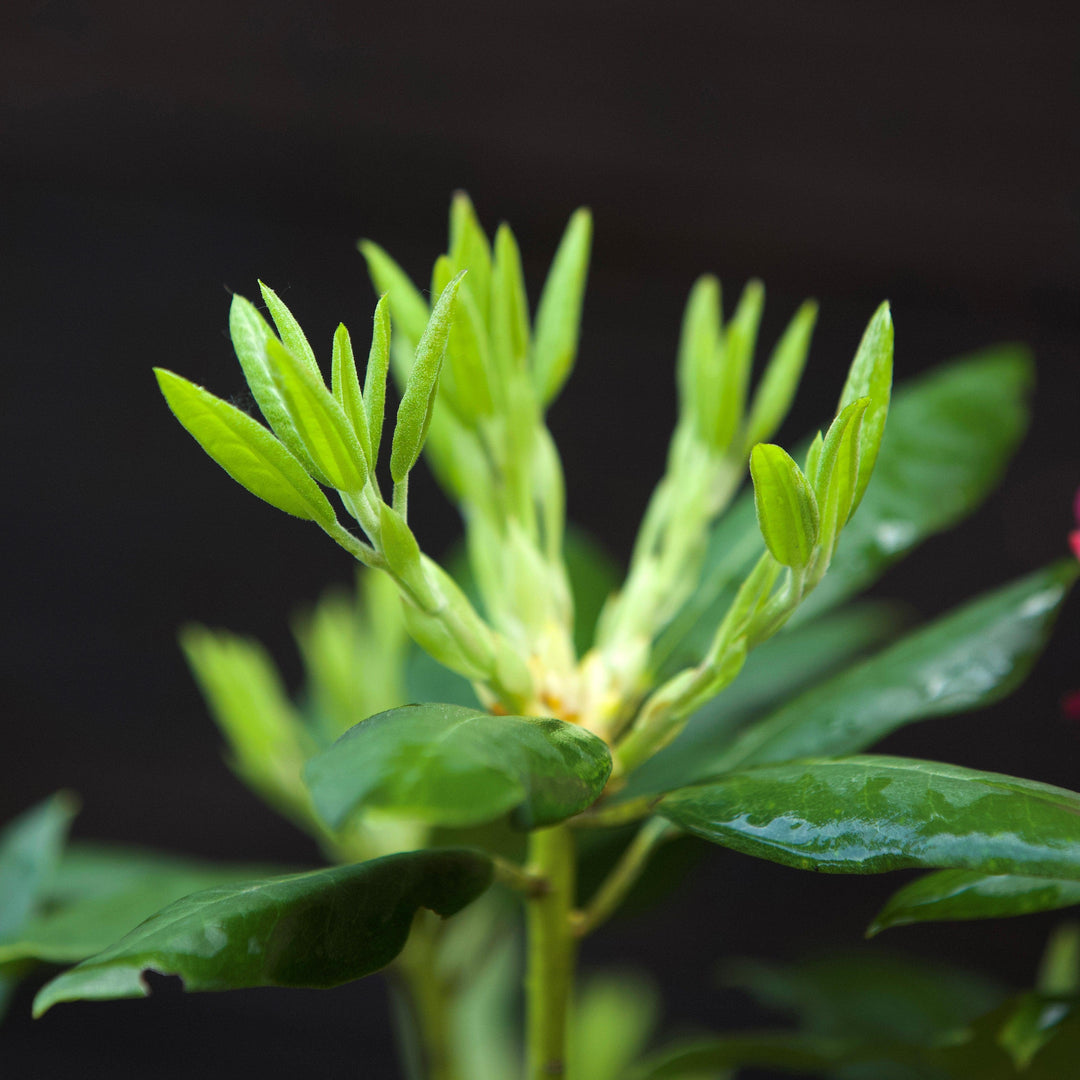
[[154, 157]]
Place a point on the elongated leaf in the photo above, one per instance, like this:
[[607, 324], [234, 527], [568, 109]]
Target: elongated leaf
[[967, 658], [320, 421], [456, 766], [699, 340], [414, 412], [867, 815], [786, 508], [470, 250], [967, 894], [776, 391], [106, 892], [558, 315], [737, 358], [375, 376], [950, 434], [871, 376], [317, 929], [250, 337], [836, 472], [407, 305], [347, 393], [30, 848], [292, 337], [245, 450]]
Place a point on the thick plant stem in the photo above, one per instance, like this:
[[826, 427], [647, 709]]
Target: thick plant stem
[[552, 952], [426, 999]]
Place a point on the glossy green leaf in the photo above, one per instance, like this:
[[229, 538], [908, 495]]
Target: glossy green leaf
[[378, 364], [30, 849], [250, 337], [965, 659], [101, 893], [950, 895], [786, 508], [316, 929], [456, 766], [408, 307], [347, 393], [292, 337], [320, 421], [736, 360], [418, 400], [950, 434], [558, 315], [776, 390], [245, 450], [867, 815], [870, 376]]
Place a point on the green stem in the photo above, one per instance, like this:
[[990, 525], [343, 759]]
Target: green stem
[[621, 879], [427, 1000], [551, 953]]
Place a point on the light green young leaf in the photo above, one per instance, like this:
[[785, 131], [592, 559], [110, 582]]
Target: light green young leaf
[[470, 250], [737, 358], [465, 378], [292, 337], [870, 376], [509, 320], [402, 552], [245, 450], [558, 315], [414, 412], [319, 419], [317, 929], [786, 508], [836, 474], [699, 342], [346, 387], [407, 305], [375, 377], [250, 336], [776, 390]]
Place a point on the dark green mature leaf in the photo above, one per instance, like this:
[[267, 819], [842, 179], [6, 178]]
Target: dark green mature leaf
[[967, 658], [775, 672], [867, 815], [100, 893], [967, 894], [30, 848], [317, 929], [949, 435], [783, 1050], [455, 766], [245, 450]]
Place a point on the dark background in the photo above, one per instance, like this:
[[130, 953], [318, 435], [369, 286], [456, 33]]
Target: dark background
[[154, 157]]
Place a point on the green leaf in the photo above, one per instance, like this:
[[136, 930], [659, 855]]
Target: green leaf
[[558, 315], [699, 342], [30, 849], [101, 893], [1036, 1021], [347, 393], [871, 376], [292, 337], [250, 337], [398, 544], [509, 321], [965, 659], [614, 1018], [786, 508], [455, 766], [952, 895], [408, 307], [776, 390], [736, 360], [466, 376], [245, 450], [950, 434], [836, 471], [470, 250], [375, 376], [414, 412], [867, 815], [316, 929], [320, 421]]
